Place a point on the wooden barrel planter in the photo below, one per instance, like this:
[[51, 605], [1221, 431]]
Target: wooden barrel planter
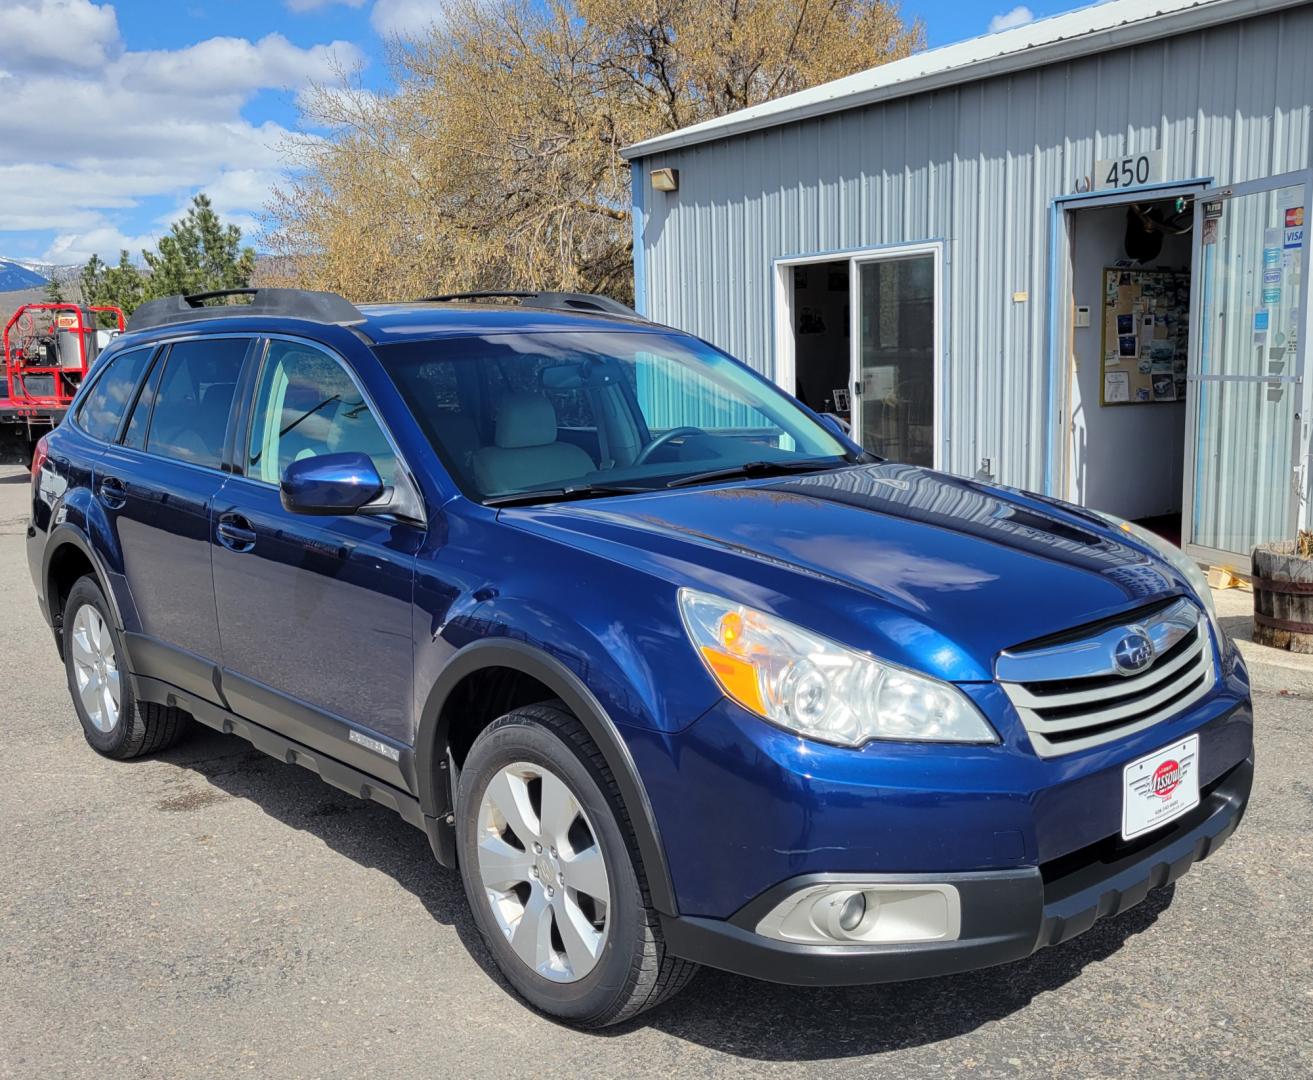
[[1283, 597]]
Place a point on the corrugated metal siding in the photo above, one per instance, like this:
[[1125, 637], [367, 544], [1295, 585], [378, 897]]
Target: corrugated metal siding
[[976, 166]]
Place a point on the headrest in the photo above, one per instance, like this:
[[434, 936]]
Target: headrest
[[525, 420]]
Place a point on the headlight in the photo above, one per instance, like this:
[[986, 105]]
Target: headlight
[[819, 688], [1187, 566]]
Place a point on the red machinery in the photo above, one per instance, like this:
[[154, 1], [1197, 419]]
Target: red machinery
[[49, 348]]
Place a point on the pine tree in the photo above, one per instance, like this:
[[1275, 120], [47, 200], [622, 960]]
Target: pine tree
[[54, 292], [120, 286], [91, 279], [199, 254]]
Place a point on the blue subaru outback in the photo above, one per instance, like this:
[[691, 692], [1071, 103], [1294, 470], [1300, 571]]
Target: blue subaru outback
[[674, 672]]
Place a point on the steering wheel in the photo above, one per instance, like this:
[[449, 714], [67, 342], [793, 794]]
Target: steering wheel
[[661, 440]]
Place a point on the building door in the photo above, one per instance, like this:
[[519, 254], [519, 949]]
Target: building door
[[1247, 433], [895, 356], [861, 335]]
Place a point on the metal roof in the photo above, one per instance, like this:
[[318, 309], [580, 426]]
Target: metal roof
[[1087, 30]]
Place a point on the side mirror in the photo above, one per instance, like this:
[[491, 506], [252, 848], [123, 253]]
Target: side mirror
[[330, 484], [837, 424]]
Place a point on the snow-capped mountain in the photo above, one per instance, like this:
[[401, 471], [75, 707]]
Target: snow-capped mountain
[[16, 274]]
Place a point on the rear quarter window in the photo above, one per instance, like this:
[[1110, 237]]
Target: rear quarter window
[[138, 424], [111, 394]]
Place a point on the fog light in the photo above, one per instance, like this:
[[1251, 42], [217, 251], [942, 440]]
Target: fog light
[[838, 913], [850, 915], [875, 911]]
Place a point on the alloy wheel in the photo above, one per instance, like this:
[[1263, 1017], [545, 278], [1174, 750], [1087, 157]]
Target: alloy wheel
[[95, 667], [543, 871]]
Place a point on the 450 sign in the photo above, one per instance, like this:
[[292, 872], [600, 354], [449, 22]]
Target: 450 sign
[[1137, 170]]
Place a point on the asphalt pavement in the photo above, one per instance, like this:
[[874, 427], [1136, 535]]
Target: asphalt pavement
[[213, 911]]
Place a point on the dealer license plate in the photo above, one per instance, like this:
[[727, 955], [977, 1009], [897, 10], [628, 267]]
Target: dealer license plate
[[1160, 788]]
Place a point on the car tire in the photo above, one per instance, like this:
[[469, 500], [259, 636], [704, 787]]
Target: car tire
[[614, 965], [113, 721]]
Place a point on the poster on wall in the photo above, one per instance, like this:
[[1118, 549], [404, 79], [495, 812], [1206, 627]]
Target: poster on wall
[[1146, 334]]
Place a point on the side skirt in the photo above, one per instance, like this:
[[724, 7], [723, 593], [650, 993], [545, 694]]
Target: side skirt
[[341, 776]]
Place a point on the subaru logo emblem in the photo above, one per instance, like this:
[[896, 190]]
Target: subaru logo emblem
[[1133, 653]]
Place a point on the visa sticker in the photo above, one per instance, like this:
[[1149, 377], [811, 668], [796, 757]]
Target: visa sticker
[[1295, 237]]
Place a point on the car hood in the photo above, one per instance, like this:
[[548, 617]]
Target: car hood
[[949, 571]]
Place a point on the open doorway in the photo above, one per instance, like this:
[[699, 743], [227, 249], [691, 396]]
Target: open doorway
[[822, 337], [1131, 273]]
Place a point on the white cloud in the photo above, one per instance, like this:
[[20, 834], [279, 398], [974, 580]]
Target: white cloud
[[37, 196], [228, 65], [237, 195], [103, 239], [36, 33], [84, 145], [403, 18], [1008, 20], [301, 6]]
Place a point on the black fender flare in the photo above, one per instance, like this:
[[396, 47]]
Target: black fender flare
[[433, 777], [69, 535]]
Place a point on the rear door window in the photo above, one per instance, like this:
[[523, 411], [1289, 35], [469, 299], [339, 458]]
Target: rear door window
[[107, 401], [194, 398]]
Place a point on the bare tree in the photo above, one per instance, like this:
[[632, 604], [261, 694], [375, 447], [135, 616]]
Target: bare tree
[[495, 163]]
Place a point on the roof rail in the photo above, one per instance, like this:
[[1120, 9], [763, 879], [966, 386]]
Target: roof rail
[[324, 307], [551, 301]]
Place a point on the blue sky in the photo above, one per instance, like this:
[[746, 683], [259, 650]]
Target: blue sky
[[115, 113]]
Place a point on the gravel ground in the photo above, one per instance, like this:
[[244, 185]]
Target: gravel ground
[[213, 911]]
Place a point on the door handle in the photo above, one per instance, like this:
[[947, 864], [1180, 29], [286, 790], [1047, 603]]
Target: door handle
[[235, 533], [113, 493]]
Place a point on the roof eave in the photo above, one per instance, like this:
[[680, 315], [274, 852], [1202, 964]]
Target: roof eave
[[1159, 25]]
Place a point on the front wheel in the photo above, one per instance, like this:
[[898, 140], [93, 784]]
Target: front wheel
[[548, 861]]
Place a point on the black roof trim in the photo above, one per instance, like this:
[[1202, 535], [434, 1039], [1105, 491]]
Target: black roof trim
[[322, 307], [551, 301]]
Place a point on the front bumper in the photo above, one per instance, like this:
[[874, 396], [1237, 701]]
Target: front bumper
[[1006, 914]]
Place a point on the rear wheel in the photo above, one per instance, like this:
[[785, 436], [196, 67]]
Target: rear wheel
[[113, 721], [549, 865]]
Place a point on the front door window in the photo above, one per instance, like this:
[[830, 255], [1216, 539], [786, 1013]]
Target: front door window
[[308, 406]]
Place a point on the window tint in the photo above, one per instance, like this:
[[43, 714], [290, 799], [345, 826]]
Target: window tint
[[194, 398], [135, 436], [307, 405], [699, 400], [518, 412], [107, 400]]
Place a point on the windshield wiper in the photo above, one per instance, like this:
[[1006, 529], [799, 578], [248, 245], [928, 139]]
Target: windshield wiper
[[754, 469], [562, 494]]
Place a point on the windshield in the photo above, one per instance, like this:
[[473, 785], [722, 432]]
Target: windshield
[[583, 412]]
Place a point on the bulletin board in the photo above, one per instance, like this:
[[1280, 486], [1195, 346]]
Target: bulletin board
[[1146, 333]]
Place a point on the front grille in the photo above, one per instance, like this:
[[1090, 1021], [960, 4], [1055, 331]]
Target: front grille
[[1070, 695]]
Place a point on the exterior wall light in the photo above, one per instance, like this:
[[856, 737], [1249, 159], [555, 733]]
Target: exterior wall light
[[665, 179]]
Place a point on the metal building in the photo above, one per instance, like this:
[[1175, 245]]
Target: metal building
[[1068, 257]]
